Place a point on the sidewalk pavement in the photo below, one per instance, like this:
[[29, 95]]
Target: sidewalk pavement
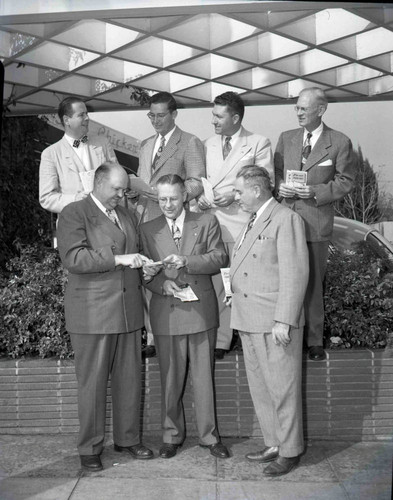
[[47, 467]]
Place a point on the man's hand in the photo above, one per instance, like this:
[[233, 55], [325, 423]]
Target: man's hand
[[203, 202], [80, 195], [149, 270], [305, 192], [175, 261], [133, 260], [286, 191], [224, 199], [280, 333], [169, 288]]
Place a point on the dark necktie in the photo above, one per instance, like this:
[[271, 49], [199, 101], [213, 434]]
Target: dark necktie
[[227, 147], [158, 154], [176, 234], [249, 226], [306, 148], [77, 142], [113, 218]]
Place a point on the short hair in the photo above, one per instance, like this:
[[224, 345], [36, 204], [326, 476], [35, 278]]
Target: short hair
[[172, 179], [65, 107], [233, 101], [103, 171], [164, 98], [318, 93], [255, 176]]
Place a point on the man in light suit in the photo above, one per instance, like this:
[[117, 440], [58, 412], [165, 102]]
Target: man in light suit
[[169, 151], [269, 274], [98, 245], [226, 153], [63, 163], [326, 155], [190, 248]]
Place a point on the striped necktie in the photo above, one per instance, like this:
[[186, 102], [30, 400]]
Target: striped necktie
[[176, 234], [306, 149], [227, 147], [158, 154], [113, 218]]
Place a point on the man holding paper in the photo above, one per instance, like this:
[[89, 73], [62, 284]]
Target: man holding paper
[[67, 167], [187, 249], [324, 157], [226, 152]]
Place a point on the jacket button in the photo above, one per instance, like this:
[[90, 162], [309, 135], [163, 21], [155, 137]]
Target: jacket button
[[172, 306], [124, 290], [195, 282], [254, 255], [245, 274], [245, 295], [113, 247]]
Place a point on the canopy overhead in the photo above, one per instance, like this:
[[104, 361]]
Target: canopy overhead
[[266, 51]]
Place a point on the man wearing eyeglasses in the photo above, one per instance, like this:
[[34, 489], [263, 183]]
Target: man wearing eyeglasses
[[169, 151], [326, 156]]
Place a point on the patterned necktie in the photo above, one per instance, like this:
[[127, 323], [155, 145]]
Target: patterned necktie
[[176, 234], [113, 218], [249, 226], [227, 147], [158, 154], [77, 142], [306, 148]]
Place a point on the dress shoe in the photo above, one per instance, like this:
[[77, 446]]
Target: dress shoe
[[268, 454], [137, 451], [219, 353], [91, 463], [281, 466], [168, 450], [149, 351], [218, 450], [316, 353]]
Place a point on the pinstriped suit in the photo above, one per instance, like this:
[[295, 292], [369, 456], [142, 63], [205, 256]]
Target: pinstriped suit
[[269, 274], [183, 155], [330, 171]]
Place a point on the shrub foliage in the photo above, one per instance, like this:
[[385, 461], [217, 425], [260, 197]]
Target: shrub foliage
[[358, 300], [31, 306]]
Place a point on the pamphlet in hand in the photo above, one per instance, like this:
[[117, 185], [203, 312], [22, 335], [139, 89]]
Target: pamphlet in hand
[[296, 178], [208, 190], [186, 294], [87, 179], [226, 279]]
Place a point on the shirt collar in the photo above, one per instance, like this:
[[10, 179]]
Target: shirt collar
[[233, 137], [98, 203], [315, 133], [179, 221], [167, 136], [263, 208], [71, 140]]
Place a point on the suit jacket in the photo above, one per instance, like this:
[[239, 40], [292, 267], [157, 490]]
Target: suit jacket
[[183, 155], [269, 272], [330, 170], [250, 149], [59, 171], [201, 243], [99, 298]]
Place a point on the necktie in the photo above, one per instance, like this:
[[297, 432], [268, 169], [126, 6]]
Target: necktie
[[306, 148], [227, 147], [158, 154], [77, 142], [113, 218], [249, 226], [176, 234]]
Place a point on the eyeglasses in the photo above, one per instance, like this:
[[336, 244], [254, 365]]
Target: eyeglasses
[[302, 110], [159, 116]]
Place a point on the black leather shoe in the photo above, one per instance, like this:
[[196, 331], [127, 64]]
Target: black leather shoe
[[91, 463], [168, 450], [218, 450], [268, 454], [316, 353], [137, 451], [281, 466], [149, 351], [219, 353]]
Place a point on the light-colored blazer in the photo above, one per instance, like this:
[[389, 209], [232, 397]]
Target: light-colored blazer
[[269, 272], [250, 149], [330, 170], [183, 155], [99, 298], [201, 243], [59, 181]]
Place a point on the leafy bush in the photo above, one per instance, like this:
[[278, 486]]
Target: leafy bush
[[31, 306], [358, 300]]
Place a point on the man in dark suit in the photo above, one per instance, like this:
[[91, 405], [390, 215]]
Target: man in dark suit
[[104, 315], [269, 274], [169, 151], [190, 247], [64, 163], [327, 158]]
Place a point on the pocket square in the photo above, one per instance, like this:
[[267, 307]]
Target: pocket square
[[326, 163]]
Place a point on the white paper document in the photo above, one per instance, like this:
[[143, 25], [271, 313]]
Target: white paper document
[[186, 294], [296, 178], [226, 279], [87, 179], [208, 190]]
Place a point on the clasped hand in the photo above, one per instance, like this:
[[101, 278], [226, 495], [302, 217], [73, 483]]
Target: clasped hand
[[220, 200], [304, 192], [132, 260]]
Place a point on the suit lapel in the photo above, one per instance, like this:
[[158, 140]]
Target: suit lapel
[[320, 150], [163, 236], [189, 236], [71, 158], [99, 219], [146, 161], [296, 149], [169, 150]]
